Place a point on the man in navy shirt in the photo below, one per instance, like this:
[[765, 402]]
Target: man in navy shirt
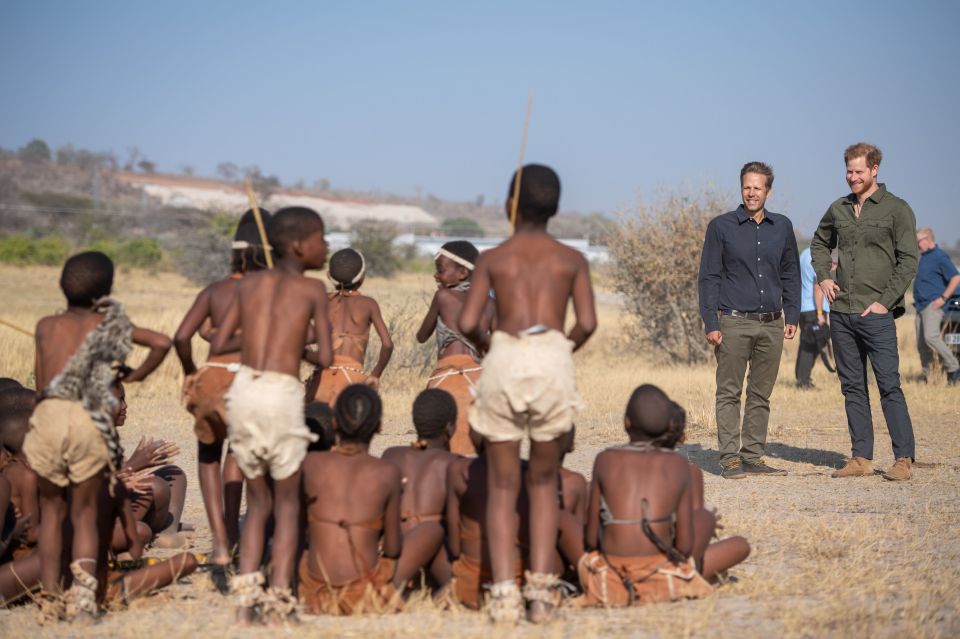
[[749, 301], [936, 280]]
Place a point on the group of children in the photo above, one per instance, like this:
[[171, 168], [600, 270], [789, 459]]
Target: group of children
[[457, 512]]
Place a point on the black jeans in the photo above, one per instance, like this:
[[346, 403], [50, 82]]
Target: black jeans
[[807, 355], [855, 339]]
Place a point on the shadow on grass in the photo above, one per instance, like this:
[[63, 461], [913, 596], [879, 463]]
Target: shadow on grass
[[708, 459]]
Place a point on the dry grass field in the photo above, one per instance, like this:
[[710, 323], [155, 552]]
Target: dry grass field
[[846, 558]]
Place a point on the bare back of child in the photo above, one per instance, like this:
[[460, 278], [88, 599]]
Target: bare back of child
[[640, 518], [533, 277], [458, 358], [204, 389], [712, 559], [265, 409], [351, 317], [468, 528], [423, 468], [353, 509], [76, 351]]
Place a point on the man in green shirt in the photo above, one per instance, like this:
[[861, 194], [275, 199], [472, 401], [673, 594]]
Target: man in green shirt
[[875, 232]]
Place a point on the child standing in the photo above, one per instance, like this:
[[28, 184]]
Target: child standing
[[204, 389], [265, 409], [528, 385], [72, 443], [351, 316], [458, 358]]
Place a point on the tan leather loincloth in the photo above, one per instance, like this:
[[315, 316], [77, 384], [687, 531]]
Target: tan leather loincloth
[[204, 397], [371, 593], [458, 375], [655, 578], [469, 578], [342, 372]]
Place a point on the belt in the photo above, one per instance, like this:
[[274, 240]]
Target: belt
[[757, 317]]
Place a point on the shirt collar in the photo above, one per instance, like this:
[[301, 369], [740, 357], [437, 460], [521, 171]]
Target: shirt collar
[[743, 216], [875, 198]]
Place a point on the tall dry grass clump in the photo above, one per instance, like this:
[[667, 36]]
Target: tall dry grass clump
[[655, 255]]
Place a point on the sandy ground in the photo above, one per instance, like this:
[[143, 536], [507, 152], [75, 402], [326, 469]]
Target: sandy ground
[[852, 557]]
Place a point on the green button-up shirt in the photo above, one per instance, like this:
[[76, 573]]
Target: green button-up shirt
[[877, 251]]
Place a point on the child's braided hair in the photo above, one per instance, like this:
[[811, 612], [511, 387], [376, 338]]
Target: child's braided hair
[[357, 413], [677, 424]]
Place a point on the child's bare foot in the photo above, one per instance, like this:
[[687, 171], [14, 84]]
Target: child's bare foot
[[247, 591], [279, 607], [541, 594], [246, 616], [52, 608], [505, 604], [181, 540]]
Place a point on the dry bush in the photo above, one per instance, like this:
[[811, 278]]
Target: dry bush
[[655, 255]]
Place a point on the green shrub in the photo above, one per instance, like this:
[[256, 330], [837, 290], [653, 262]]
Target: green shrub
[[142, 252], [374, 239], [139, 252], [21, 250]]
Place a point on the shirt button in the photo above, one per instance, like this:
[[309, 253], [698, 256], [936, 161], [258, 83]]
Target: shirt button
[[761, 290], [761, 275], [758, 243]]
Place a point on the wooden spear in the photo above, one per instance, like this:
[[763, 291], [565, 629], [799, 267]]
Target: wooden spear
[[515, 200], [259, 219]]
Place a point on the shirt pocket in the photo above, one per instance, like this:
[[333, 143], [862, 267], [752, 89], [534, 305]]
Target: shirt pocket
[[847, 234], [878, 239]]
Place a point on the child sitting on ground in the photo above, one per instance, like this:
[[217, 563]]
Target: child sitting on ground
[[16, 406], [458, 358], [640, 520], [161, 505], [712, 559], [423, 467], [72, 444], [265, 420], [528, 385], [351, 316], [353, 516], [204, 391]]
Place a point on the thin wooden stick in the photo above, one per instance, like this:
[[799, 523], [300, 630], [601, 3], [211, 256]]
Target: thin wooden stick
[[16, 328], [515, 200], [259, 219]]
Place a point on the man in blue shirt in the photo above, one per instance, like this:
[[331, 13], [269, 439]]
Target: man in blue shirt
[[749, 282], [814, 309], [936, 280]]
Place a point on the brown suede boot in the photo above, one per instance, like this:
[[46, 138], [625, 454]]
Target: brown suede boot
[[900, 471], [855, 467]]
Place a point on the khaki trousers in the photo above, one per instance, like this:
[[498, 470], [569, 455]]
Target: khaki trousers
[[757, 346]]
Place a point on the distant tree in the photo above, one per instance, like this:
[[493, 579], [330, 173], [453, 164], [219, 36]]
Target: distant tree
[[147, 166], [461, 227], [374, 239], [479, 201], [133, 157], [323, 184], [187, 170], [36, 150], [228, 171], [655, 257], [66, 154]]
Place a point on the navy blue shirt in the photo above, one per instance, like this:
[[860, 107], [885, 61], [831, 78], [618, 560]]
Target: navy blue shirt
[[749, 267], [933, 274]]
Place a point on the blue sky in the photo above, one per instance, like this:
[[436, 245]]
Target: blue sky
[[630, 97]]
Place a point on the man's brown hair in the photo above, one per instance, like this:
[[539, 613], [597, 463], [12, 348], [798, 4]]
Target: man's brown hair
[[760, 168], [863, 150]]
